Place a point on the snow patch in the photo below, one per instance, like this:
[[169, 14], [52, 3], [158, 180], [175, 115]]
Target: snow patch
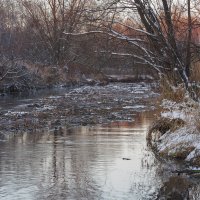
[[46, 107], [185, 138], [15, 113], [174, 115], [134, 107]]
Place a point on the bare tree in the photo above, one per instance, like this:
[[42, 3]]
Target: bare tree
[[49, 19], [158, 44], [157, 34]]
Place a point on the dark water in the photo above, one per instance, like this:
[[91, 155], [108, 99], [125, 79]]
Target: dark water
[[12, 100], [83, 163]]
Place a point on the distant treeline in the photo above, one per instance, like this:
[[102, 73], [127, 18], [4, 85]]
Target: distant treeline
[[58, 31], [126, 36]]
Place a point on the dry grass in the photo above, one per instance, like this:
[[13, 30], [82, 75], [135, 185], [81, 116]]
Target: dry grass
[[162, 125], [167, 92], [177, 93], [70, 73], [195, 72], [197, 121], [195, 78]]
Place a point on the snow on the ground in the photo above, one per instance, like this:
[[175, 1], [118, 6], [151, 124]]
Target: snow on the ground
[[135, 107], [15, 113], [174, 115], [136, 88], [187, 110], [45, 107], [186, 137]]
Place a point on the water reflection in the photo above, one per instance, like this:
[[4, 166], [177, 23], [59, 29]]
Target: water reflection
[[84, 163]]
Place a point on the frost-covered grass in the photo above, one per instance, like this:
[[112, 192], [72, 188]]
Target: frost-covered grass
[[176, 133]]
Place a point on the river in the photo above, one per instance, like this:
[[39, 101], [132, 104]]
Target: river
[[107, 161]]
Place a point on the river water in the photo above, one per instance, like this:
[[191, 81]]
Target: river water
[[110, 161]]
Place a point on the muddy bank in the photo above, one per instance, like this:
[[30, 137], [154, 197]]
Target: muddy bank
[[86, 105]]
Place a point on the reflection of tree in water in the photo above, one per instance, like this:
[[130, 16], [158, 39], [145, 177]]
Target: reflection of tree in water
[[83, 155], [55, 180], [141, 120], [74, 168], [77, 163], [68, 175]]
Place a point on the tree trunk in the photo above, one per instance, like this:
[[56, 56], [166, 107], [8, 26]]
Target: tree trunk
[[188, 53]]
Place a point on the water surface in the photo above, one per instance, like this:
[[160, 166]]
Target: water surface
[[105, 162]]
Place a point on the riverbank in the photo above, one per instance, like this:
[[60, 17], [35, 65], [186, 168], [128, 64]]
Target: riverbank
[[23, 76], [176, 132]]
